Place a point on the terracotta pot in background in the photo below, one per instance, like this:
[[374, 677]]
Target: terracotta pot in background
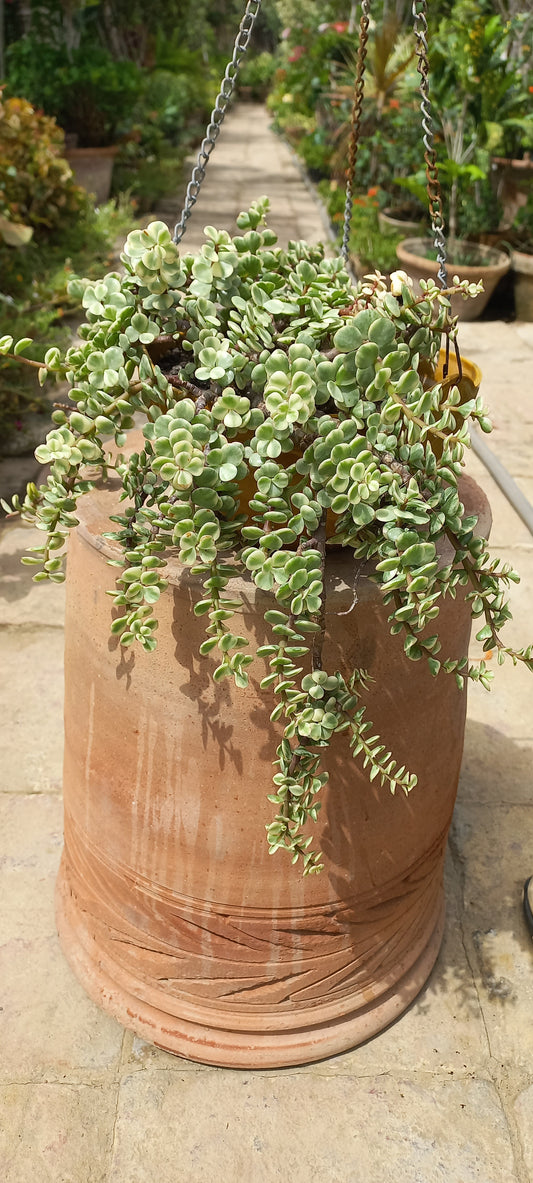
[[523, 285], [511, 180], [412, 256], [170, 910], [392, 222], [93, 169]]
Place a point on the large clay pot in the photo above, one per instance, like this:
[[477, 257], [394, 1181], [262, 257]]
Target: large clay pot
[[170, 910], [491, 266]]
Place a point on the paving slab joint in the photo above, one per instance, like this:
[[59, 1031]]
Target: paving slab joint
[[459, 864]]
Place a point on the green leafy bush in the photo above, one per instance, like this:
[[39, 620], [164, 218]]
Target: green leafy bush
[[90, 93], [257, 72], [36, 185], [34, 300]]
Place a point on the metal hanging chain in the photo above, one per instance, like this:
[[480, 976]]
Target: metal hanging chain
[[355, 126], [227, 87], [432, 172]]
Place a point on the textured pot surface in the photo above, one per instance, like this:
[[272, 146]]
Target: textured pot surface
[[491, 267], [170, 909]]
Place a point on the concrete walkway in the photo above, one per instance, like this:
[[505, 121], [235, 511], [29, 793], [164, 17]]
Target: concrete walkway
[[443, 1096]]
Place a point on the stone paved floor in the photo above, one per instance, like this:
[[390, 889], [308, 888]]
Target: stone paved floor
[[446, 1093]]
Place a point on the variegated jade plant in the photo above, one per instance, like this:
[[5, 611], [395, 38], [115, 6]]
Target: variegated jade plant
[[249, 360]]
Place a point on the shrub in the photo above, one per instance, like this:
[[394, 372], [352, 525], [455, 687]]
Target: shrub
[[90, 93], [36, 185], [257, 73]]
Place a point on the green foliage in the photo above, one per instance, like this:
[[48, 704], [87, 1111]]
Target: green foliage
[[88, 91], [273, 369], [34, 299], [36, 185]]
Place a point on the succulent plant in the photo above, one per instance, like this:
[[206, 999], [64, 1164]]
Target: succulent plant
[[252, 360]]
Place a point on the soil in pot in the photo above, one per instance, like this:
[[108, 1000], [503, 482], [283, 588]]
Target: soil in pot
[[484, 263]]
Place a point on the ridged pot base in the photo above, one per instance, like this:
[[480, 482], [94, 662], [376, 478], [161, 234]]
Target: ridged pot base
[[203, 1034]]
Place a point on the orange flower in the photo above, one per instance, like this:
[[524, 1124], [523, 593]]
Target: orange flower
[[372, 191], [394, 105]]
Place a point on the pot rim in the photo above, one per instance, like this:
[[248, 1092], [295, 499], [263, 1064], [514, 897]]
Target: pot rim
[[496, 261], [522, 262]]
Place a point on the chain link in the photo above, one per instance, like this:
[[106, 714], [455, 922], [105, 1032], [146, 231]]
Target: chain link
[[227, 88], [432, 172], [355, 125]]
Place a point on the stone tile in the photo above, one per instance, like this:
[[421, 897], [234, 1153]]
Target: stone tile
[[31, 705], [495, 845], [48, 1026], [508, 530], [222, 1125], [56, 1133], [524, 330], [506, 362], [508, 707], [495, 768], [523, 1113], [477, 337], [21, 600], [138, 1056], [441, 1032], [265, 167]]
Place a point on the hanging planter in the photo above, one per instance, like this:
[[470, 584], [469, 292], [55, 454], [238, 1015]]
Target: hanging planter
[[295, 490], [298, 558]]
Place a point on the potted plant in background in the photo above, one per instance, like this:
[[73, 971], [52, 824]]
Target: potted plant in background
[[255, 77], [469, 260], [88, 92], [39, 204], [294, 488], [480, 85], [521, 241]]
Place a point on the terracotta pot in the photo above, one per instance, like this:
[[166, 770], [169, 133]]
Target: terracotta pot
[[391, 222], [523, 285], [491, 267], [511, 180], [170, 909], [93, 168]]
